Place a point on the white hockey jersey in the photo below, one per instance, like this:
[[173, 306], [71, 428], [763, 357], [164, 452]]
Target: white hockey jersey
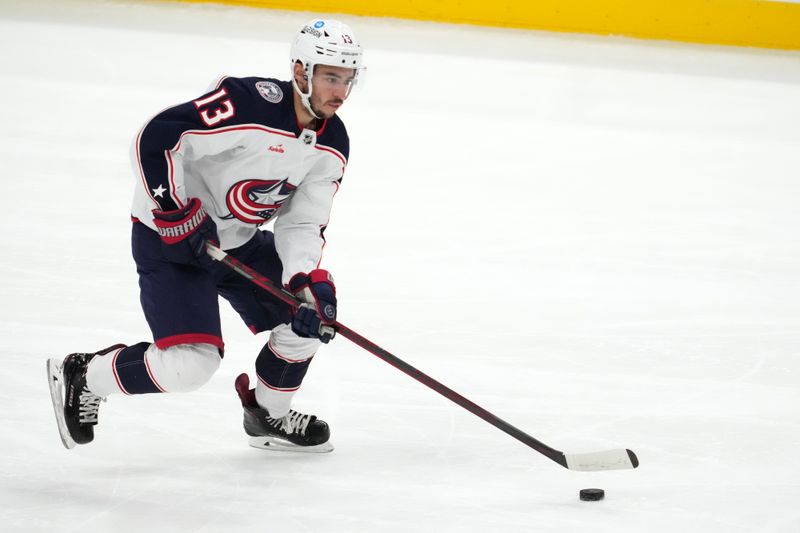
[[241, 151]]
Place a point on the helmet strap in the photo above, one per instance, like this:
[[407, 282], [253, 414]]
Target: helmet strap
[[305, 98]]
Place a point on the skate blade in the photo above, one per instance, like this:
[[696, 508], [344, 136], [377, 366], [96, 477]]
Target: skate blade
[[55, 382], [278, 445]]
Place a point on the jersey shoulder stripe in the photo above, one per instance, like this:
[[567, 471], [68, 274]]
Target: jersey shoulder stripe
[[334, 136]]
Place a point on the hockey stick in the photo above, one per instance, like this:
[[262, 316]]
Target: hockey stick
[[618, 459]]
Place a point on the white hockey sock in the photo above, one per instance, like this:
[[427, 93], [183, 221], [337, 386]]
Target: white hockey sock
[[182, 368], [276, 402], [100, 378]]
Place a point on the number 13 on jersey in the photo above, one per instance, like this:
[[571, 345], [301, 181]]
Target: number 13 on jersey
[[213, 109]]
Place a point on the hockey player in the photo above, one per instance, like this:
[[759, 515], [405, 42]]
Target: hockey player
[[214, 169]]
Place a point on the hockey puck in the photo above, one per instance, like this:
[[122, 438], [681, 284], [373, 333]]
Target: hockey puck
[[592, 495]]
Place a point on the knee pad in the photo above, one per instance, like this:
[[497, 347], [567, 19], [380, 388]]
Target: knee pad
[[289, 346], [184, 367]]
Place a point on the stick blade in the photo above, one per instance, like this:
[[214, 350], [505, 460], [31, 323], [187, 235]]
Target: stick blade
[[620, 459]]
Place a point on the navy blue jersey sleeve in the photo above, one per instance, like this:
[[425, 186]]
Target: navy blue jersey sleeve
[[229, 104]]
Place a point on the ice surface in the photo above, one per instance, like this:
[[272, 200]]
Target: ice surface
[[595, 239]]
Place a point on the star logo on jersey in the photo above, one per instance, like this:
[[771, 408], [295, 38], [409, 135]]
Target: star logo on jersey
[[257, 201], [159, 191]]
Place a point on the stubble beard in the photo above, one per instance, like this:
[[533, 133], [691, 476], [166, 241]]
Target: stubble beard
[[320, 113]]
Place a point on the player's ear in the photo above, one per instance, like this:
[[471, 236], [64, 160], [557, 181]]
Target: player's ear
[[300, 75]]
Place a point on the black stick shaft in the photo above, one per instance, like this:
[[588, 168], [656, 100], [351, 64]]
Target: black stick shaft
[[396, 362]]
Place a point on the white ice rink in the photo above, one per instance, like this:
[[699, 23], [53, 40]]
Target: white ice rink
[[597, 239]]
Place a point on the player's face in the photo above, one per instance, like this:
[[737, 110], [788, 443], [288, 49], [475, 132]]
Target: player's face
[[331, 87]]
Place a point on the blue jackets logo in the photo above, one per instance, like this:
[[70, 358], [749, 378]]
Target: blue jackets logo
[[269, 91], [256, 201]]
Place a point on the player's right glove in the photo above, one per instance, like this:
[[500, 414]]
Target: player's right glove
[[184, 233], [316, 316]]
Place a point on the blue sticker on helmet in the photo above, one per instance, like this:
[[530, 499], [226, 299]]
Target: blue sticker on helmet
[[319, 24]]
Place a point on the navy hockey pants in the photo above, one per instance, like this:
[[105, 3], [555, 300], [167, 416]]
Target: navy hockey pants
[[180, 302]]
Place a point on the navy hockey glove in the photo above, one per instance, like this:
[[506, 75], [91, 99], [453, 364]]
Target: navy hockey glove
[[315, 318], [184, 233]]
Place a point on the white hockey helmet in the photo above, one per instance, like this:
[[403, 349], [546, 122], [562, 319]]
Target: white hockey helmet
[[325, 42]]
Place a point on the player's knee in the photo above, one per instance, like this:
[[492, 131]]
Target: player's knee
[[183, 368], [286, 344]]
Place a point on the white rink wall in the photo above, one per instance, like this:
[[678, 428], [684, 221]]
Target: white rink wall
[[596, 239]]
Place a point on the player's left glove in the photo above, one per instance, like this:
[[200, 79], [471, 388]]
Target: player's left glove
[[184, 233], [315, 318]]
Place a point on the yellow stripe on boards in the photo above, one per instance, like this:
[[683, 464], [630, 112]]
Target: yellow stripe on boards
[[757, 23]]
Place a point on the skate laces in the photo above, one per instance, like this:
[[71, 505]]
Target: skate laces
[[293, 422], [89, 405]]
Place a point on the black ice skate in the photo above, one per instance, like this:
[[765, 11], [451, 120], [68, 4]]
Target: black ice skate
[[75, 407], [294, 432]]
